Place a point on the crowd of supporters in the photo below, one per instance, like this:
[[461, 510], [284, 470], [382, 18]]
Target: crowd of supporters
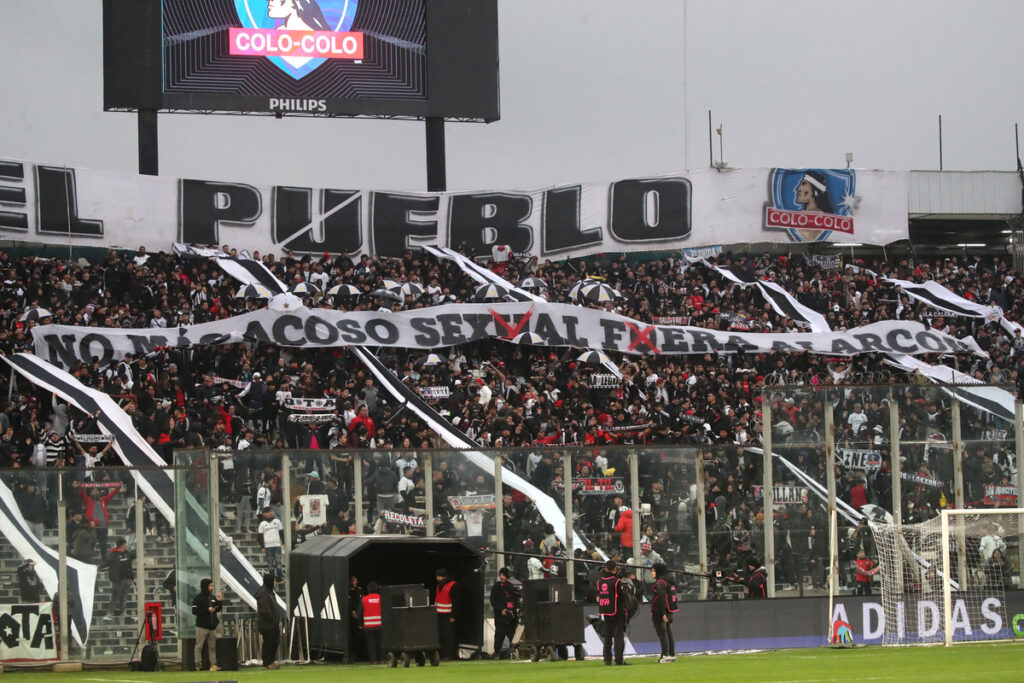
[[526, 399]]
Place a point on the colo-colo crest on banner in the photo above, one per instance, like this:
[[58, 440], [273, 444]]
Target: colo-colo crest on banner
[[296, 35], [810, 204]]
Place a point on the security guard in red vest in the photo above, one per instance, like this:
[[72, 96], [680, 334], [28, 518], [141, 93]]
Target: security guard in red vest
[[612, 613], [369, 614], [446, 605]]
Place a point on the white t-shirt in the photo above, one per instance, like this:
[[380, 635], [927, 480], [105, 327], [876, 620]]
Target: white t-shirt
[[857, 421], [405, 484], [263, 494], [271, 531], [500, 253]]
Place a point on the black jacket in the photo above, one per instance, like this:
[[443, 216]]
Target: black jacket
[[501, 597], [266, 608], [201, 607], [757, 584], [662, 595], [30, 586], [33, 507], [120, 563]]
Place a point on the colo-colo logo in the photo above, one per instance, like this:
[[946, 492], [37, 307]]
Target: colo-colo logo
[[641, 211]]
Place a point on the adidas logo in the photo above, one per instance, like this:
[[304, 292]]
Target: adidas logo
[[330, 610], [304, 605]]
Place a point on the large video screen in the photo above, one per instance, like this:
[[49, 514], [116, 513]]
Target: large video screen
[[293, 55], [388, 58]]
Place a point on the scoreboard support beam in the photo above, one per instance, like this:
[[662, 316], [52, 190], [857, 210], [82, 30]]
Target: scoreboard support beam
[[436, 172], [149, 145]]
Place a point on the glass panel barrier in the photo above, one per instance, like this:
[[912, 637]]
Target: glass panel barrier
[[315, 492], [990, 483]]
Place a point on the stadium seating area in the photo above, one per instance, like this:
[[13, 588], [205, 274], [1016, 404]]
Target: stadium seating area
[[526, 399]]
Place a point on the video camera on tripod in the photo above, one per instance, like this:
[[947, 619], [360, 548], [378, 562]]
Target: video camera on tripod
[[716, 584]]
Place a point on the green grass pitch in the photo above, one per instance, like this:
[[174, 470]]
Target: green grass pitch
[[988, 662]]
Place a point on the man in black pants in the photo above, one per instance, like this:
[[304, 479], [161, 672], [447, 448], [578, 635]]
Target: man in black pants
[[612, 613], [369, 612], [266, 622], [446, 605], [505, 602], [663, 605]]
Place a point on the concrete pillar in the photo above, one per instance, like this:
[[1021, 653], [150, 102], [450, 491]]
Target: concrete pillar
[[702, 528], [1018, 430], [428, 474], [634, 494], [894, 460], [286, 497], [357, 489], [768, 491], [958, 492], [499, 512], [62, 575], [567, 507], [830, 477]]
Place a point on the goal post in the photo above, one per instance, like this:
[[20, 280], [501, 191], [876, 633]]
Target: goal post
[[944, 581], [983, 577]]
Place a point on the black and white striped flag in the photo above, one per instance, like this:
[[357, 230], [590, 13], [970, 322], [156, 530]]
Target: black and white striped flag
[[547, 507], [248, 271], [81, 576], [155, 482], [782, 302], [933, 294]]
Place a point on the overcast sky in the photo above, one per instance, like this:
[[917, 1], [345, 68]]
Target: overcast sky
[[591, 90]]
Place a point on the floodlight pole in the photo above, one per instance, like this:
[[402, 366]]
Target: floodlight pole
[[149, 146], [436, 180]]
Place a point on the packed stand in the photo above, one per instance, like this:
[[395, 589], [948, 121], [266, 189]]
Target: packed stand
[[524, 399]]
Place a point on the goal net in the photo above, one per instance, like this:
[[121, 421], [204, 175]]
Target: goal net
[[945, 580]]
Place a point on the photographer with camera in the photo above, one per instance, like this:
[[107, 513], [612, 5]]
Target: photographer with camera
[[505, 603], [757, 579]]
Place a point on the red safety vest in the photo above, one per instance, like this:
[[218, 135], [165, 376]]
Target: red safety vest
[[607, 595], [443, 598], [371, 611]]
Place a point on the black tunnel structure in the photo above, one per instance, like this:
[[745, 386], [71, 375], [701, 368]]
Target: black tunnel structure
[[321, 568]]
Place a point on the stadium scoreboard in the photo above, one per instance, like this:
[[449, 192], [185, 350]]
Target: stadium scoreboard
[[385, 58]]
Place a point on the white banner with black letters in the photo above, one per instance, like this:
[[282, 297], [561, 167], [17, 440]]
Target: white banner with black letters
[[16, 531], [859, 459], [27, 633], [784, 495], [64, 205], [453, 325], [317, 404]]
